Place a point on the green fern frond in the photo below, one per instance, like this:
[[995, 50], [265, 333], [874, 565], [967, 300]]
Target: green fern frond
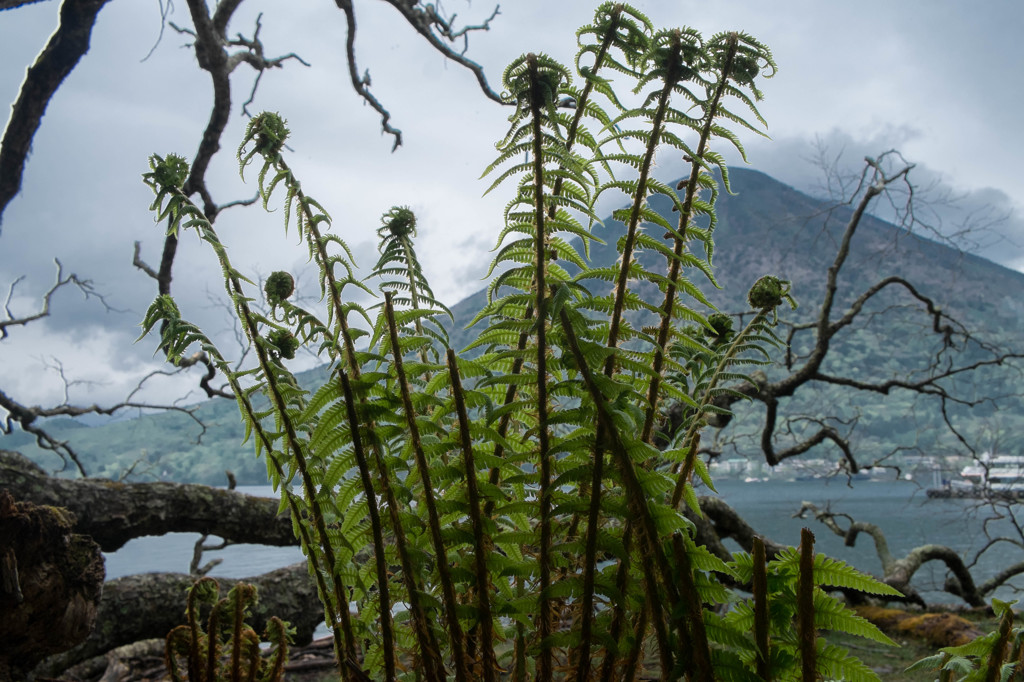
[[835, 662], [836, 573], [831, 614]]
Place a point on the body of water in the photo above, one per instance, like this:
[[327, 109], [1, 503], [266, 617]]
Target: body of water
[[903, 511]]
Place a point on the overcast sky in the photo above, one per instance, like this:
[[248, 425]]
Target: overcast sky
[[937, 79]]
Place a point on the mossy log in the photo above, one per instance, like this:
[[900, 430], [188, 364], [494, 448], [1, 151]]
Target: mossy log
[[938, 629], [50, 583], [114, 513]]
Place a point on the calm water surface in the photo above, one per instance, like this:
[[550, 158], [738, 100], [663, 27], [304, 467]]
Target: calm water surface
[[901, 509]]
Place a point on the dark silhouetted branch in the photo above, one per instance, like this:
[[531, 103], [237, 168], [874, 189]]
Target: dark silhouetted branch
[[60, 56]]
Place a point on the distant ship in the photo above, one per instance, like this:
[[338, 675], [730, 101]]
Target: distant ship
[[998, 476]]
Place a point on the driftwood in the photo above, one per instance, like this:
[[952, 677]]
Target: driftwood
[[899, 572]]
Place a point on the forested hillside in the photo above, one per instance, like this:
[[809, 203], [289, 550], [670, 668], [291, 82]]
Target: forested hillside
[[765, 227]]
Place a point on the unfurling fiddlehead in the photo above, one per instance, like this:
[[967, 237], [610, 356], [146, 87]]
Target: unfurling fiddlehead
[[228, 648], [519, 515]]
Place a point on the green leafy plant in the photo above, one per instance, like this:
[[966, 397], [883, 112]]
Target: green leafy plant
[[996, 656], [506, 512], [788, 608], [228, 648]]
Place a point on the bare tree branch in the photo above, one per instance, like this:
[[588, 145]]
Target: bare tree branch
[[26, 416], [425, 20], [14, 4], [60, 56], [141, 264], [60, 281], [362, 83], [899, 572], [956, 355]]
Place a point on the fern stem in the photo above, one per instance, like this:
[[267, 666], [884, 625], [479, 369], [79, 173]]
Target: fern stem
[[631, 482], [318, 249], [692, 438], [281, 654], [638, 202], [237, 295], [342, 649], [192, 612], [519, 647], [582, 654], [429, 649], [653, 613], [570, 138], [619, 610], [506, 418], [254, 665], [414, 297], [685, 215], [480, 544], [806, 632], [632, 660], [993, 667], [455, 633], [761, 623], [309, 488], [616, 320], [241, 591], [692, 624], [427, 641], [945, 674], [213, 642], [545, 614], [386, 623]]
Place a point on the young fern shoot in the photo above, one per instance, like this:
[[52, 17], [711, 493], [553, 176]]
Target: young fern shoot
[[509, 509]]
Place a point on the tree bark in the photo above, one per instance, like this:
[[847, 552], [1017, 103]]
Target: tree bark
[[147, 606], [50, 581], [114, 513]]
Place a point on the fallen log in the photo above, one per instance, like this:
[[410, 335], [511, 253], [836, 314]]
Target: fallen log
[[148, 606], [114, 513]]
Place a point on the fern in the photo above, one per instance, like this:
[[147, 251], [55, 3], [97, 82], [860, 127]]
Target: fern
[[204, 650], [401, 268], [998, 655], [513, 508]]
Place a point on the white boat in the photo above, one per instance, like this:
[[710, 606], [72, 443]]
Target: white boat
[[1000, 475]]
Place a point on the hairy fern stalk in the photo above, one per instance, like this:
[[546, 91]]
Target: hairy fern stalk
[[512, 511]]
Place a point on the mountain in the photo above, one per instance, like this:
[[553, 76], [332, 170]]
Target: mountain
[[766, 227]]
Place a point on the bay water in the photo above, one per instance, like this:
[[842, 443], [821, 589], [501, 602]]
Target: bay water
[[900, 508]]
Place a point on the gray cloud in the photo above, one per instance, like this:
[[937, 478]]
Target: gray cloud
[[931, 78]]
